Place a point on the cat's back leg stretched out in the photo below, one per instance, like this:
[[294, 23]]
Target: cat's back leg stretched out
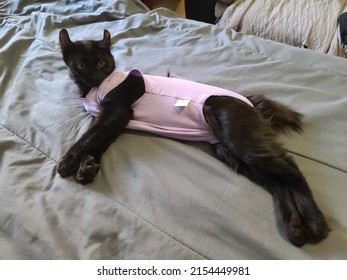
[[248, 145]]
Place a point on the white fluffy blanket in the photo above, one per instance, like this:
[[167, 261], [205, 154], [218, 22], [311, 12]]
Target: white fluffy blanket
[[312, 23]]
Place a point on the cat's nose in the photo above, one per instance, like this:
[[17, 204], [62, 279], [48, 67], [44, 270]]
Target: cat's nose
[[94, 76]]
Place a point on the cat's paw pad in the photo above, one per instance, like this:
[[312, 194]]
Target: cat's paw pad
[[67, 166], [88, 169]]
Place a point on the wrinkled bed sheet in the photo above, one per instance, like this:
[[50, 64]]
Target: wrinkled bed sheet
[[156, 198]]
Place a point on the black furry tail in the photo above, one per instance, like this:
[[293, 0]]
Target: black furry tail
[[280, 117]]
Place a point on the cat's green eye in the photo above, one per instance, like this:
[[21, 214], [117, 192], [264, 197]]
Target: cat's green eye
[[80, 65], [101, 64]]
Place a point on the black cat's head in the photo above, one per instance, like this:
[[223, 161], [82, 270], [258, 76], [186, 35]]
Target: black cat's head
[[90, 62]]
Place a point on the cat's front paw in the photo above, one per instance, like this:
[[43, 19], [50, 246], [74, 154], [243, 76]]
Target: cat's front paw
[[88, 169], [68, 165]]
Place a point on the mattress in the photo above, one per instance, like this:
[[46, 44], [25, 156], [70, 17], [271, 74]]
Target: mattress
[[156, 198]]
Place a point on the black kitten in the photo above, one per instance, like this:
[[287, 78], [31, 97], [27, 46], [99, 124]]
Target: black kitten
[[247, 137]]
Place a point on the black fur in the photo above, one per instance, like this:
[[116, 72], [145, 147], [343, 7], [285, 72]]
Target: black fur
[[247, 138]]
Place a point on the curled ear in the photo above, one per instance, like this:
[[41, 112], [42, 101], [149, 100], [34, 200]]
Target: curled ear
[[64, 39], [106, 41]]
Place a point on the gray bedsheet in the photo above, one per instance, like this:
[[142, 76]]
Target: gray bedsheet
[[155, 198]]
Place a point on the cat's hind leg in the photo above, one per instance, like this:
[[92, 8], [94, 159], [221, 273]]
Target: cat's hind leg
[[248, 145]]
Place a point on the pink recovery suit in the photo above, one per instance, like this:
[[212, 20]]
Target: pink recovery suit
[[170, 107]]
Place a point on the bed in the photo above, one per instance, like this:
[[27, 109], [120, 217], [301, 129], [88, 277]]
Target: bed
[[156, 198]]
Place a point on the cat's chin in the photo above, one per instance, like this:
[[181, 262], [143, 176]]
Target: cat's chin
[[97, 82], [92, 83]]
